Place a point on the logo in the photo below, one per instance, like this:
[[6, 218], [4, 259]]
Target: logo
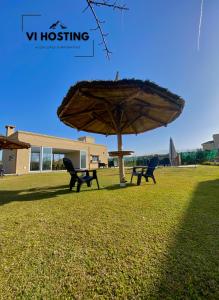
[[57, 35], [53, 26], [52, 35]]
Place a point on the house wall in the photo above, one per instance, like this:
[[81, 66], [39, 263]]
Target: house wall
[[75, 158], [87, 139], [103, 156], [23, 161], [212, 145], [208, 146], [9, 158], [20, 165], [216, 141]]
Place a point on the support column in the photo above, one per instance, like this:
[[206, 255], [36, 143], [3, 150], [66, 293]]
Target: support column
[[121, 161]]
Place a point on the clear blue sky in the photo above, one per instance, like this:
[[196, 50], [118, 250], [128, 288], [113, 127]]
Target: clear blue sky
[[154, 40]]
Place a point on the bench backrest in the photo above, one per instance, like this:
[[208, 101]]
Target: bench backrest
[[153, 163], [68, 165]]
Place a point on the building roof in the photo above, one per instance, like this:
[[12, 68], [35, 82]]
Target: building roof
[[209, 142], [7, 143]]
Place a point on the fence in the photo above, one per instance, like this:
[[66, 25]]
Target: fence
[[199, 156], [139, 160], [187, 158]]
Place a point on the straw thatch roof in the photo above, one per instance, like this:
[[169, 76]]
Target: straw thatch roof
[[7, 143], [120, 153], [125, 106]]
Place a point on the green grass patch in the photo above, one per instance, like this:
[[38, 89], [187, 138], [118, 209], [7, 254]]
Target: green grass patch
[[140, 242]]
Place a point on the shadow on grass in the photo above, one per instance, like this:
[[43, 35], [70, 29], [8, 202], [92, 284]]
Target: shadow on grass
[[33, 194], [191, 270], [43, 193], [118, 187]]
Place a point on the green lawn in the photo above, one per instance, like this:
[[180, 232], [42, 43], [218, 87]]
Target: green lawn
[[139, 242]]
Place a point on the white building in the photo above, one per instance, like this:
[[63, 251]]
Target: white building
[[213, 144]]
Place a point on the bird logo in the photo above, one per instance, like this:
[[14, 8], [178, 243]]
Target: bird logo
[[57, 23]]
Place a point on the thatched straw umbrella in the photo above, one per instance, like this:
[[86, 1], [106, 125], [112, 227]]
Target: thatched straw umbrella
[[7, 143], [119, 107]]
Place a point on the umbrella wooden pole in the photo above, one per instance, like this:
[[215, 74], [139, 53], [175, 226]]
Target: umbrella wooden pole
[[121, 161]]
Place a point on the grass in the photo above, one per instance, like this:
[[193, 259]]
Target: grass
[[140, 242]]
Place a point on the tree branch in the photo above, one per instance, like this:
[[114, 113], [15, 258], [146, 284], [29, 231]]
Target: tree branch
[[90, 4], [112, 5]]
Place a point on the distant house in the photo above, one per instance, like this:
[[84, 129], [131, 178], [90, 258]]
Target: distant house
[[213, 144], [46, 153]]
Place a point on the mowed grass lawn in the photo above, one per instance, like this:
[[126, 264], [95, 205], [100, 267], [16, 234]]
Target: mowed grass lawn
[[139, 242]]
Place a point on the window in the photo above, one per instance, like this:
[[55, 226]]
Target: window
[[83, 159], [57, 163], [41, 159], [46, 159], [95, 158], [35, 159]]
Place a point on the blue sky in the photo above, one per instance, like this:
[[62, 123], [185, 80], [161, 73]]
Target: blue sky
[[154, 40]]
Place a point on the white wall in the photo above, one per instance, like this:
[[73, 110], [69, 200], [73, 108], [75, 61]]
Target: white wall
[[216, 141], [75, 158]]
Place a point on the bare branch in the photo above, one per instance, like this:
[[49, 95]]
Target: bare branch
[[85, 9], [112, 5], [94, 29], [108, 52], [106, 3]]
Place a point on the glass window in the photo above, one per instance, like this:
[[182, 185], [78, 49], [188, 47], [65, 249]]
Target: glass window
[[83, 159], [47, 159], [95, 158], [57, 163], [35, 159]]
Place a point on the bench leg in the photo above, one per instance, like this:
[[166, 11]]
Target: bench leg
[[139, 179], [95, 177], [97, 183], [154, 180], [72, 183], [131, 178], [79, 187]]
